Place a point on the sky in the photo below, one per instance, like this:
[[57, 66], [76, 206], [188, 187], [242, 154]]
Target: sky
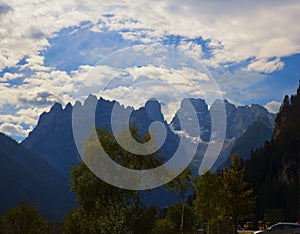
[[60, 51]]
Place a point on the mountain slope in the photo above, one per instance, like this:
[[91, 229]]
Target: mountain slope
[[255, 136], [24, 176], [52, 139], [274, 170]]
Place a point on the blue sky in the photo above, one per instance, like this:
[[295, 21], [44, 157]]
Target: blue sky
[[251, 50]]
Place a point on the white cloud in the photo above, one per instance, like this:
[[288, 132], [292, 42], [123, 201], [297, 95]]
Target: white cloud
[[169, 86], [8, 94], [236, 31], [136, 96], [35, 63], [238, 85], [263, 65], [273, 106], [19, 119], [192, 49], [95, 75], [14, 130], [44, 98], [170, 75], [51, 86], [11, 76], [243, 29], [139, 73]]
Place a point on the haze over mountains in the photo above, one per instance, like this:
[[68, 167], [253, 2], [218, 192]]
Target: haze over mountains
[[51, 144]]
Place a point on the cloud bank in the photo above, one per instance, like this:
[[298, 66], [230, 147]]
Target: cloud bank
[[47, 48]]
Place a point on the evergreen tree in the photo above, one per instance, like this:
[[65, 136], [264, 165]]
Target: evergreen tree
[[238, 196], [274, 170], [221, 198]]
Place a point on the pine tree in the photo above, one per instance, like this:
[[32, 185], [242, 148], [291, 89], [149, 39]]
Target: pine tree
[[239, 199]]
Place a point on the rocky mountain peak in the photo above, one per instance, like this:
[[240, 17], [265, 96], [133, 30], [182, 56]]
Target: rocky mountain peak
[[68, 107], [57, 107], [52, 139], [153, 109]]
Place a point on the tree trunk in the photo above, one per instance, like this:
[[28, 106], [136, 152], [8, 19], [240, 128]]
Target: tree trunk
[[182, 217], [182, 212]]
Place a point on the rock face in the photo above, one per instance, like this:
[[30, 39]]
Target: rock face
[[202, 114], [25, 176], [238, 121], [52, 139], [240, 118]]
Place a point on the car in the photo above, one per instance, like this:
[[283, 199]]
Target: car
[[282, 228]]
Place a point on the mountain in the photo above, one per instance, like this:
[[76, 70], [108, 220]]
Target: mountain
[[202, 115], [241, 117], [52, 138], [254, 137], [24, 176], [274, 169], [239, 120]]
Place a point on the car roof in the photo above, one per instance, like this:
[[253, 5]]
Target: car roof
[[296, 224]]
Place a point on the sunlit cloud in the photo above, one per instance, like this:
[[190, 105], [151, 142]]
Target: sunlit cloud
[[48, 49]]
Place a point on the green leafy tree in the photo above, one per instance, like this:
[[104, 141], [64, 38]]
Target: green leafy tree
[[142, 220], [79, 221], [24, 219], [240, 201], [174, 214], [209, 203], [163, 226], [181, 185], [55, 228], [103, 207]]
